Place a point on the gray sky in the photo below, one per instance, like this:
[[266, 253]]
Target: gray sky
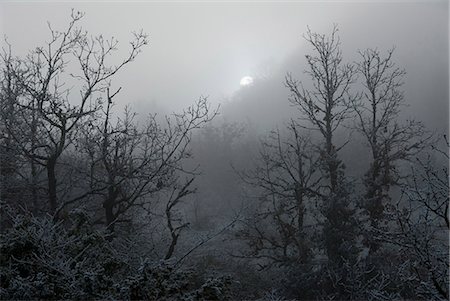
[[205, 48]]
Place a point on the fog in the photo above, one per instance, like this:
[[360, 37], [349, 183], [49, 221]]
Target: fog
[[155, 172], [205, 48]]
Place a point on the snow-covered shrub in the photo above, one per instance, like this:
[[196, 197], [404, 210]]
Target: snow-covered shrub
[[43, 259], [163, 281], [40, 259]]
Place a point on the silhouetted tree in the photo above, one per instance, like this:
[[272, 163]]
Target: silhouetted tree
[[131, 164], [287, 178], [325, 106], [10, 159], [378, 112], [422, 232], [47, 105]]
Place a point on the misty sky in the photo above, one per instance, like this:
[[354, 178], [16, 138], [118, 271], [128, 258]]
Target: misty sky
[[205, 48]]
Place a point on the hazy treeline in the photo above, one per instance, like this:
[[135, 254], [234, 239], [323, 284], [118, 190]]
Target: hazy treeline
[[347, 202]]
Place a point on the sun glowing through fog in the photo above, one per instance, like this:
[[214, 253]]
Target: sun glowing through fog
[[246, 80]]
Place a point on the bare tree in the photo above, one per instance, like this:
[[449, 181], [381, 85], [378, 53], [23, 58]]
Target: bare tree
[[21, 175], [420, 235], [130, 165], [378, 112], [175, 225], [288, 179], [10, 92], [325, 106], [424, 224], [56, 114]]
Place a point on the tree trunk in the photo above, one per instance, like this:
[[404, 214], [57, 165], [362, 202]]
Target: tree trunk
[[173, 243], [108, 204], [374, 191], [34, 184], [332, 163], [51, 175]]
